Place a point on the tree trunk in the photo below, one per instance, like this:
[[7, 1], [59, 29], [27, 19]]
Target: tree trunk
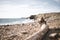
[[38, 35]]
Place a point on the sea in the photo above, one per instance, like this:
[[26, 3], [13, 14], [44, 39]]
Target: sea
[[10, 21]]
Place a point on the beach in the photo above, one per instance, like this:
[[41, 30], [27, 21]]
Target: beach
[[24, 30]]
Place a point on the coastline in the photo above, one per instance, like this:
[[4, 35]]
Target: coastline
[[22, 31], [24, 20]]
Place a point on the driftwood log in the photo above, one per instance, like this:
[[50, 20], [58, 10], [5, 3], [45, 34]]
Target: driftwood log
[[39, 35]]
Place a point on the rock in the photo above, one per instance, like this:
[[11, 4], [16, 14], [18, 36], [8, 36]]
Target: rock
[[24, 32], [52, 35], [32, 17]]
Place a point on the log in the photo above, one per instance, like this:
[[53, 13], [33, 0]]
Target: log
[[39, 35]]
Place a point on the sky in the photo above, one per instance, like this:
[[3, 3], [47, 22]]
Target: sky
[[25, 8]]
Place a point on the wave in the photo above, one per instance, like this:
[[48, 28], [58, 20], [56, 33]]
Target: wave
[[19, 21]]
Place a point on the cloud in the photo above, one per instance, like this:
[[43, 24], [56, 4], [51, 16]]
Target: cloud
[[58, 1], [17, 11], [24, 8]]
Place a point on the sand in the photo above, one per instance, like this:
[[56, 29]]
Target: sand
[[22, 31]]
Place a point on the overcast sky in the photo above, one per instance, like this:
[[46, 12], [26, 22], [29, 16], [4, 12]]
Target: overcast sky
[[24, 8]]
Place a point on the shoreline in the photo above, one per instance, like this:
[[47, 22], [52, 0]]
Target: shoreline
[[18, 22], [23, 31]]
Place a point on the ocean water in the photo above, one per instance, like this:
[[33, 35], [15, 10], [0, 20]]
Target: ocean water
[[6, 21]]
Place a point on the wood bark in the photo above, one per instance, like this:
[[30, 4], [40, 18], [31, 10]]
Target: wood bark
[[38, 35]]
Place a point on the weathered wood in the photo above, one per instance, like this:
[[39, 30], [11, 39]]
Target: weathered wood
[[38, 35]]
